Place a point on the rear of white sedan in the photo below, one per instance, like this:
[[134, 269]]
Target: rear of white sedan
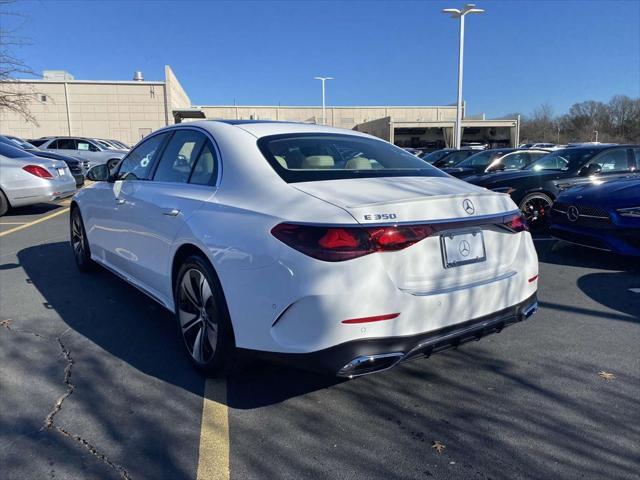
[[26, 179], [326, 248], [427, 263]]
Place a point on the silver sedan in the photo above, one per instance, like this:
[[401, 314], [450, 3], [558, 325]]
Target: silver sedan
[[26, 179]]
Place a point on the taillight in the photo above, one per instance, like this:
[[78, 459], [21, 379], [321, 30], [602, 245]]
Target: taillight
[[516, 223], [37, 171], [335, 244]]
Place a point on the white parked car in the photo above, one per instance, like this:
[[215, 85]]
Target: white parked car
[[96, 152], [26, 179], [326, 247]]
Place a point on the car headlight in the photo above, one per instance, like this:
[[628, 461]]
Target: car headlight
[[506, 190], [629, 212]]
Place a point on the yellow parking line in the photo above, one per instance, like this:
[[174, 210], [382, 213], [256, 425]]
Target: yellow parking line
[[35, 222], [213, 454]]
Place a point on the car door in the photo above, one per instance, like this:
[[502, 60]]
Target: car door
[[184, 177], [88, 150], [109, 228]]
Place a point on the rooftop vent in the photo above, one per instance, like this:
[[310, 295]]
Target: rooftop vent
[[137, 76]]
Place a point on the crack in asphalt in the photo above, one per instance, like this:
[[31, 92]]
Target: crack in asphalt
[[49, 420]]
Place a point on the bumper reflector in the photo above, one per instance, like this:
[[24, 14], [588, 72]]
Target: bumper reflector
[[378, 318], [533, 279]]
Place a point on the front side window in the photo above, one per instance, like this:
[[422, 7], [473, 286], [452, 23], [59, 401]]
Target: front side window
[[86, 146], [515, 161], [179, 157], [565, 160], [311, 157], [636, 157], [612, 161], [138, 163]]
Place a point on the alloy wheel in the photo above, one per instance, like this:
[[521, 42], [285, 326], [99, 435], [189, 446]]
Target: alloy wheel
[[536, 212], [198, 323]]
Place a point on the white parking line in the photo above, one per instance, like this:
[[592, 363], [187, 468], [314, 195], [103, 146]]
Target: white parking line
[[13, 223]]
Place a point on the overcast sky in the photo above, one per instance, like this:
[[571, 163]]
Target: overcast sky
[[518, 54]]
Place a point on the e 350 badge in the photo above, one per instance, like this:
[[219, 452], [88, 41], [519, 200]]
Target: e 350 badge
[[381, 216]]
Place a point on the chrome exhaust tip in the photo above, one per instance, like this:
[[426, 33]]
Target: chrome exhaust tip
[[366, 364], [529, 310]]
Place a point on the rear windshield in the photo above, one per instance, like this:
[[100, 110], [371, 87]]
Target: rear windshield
[[9, 151], [311, 157]]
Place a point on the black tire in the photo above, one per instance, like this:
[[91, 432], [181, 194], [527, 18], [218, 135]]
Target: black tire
[[536, 208], [203, 318], [79, 243], [112, 163], [4, 204]]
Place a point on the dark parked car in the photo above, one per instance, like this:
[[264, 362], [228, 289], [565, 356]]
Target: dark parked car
[[76, 166], [453, 157], [434, 155], [605, 216], [535, 187], [495, 160]]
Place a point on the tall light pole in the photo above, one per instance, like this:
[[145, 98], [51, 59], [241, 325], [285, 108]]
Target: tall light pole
[[456, 13], [324, 112]]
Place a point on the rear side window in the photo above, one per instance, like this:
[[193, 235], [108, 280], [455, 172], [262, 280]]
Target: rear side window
[[138, 163], [180, 156], [66, 144], [312, 157], [636, 158], [205, 171]]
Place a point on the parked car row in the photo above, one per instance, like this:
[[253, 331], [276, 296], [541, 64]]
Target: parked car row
[[94, 150], [586, 193], [27, 179], [38, 170]]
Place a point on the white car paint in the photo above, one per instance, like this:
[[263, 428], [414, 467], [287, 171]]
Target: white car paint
[[281, 300]]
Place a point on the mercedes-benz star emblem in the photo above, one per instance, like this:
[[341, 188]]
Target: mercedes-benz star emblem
[[572, 213], [468, 206], [464, 248]]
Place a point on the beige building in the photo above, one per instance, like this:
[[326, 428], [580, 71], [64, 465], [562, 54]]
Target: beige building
[[129, 110]]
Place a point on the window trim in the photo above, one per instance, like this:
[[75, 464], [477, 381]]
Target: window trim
[[170, 130]]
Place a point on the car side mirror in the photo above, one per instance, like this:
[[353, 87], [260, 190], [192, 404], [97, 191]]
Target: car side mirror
[[99, 173], [589, 170]]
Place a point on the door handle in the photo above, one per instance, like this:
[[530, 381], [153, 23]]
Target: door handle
[[171, 212], [120, 201]]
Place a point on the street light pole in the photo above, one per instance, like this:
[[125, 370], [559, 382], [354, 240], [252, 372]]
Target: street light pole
[[456, 13], [324, 112]]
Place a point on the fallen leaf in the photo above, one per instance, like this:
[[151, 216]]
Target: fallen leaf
[[439, 446], [5, 323], [606, 376]]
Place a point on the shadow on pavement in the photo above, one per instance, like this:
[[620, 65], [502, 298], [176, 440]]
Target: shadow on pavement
[[132, 327], [557, 252], [37, 209]]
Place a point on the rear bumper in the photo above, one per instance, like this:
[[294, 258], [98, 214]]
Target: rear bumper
[[361, 357], [46, 191]]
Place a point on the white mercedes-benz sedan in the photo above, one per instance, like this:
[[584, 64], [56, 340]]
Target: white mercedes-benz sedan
[[327, 248]]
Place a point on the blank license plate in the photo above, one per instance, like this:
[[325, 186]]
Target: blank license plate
[[462, 248]]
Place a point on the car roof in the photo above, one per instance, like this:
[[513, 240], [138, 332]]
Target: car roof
[[263, 128]]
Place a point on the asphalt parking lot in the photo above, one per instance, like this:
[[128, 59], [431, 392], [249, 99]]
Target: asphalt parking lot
[[94, 384]]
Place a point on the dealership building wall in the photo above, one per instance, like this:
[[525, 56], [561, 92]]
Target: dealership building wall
[[129, 110]]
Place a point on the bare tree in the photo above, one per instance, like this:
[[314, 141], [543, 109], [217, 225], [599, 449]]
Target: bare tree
[[14, 97]]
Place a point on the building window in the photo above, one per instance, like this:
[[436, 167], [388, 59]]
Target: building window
[[43, 98]]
